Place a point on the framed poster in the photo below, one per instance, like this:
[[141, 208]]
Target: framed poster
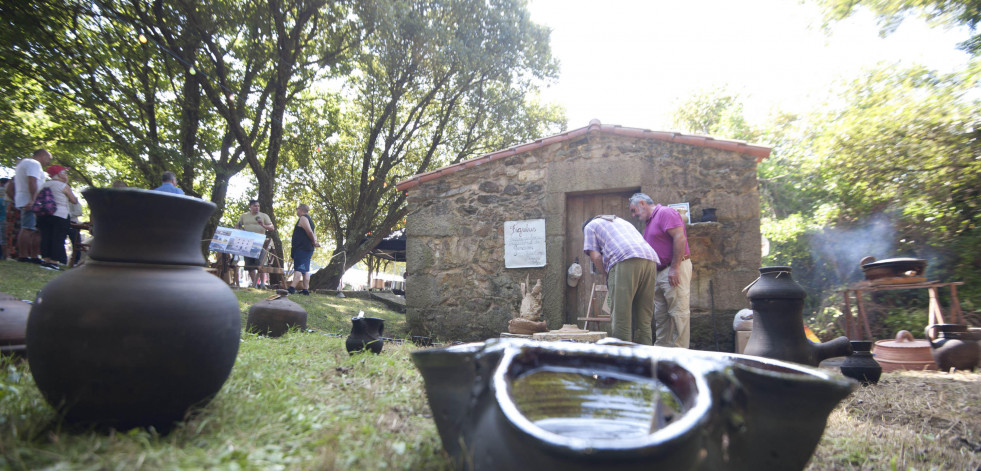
[[684, 210], [237, 242], [524, 243]]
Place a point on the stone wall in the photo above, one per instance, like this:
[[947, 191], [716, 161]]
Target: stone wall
[[457, 287]]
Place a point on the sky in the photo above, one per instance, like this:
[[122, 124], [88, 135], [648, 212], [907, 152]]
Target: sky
[[630, 62]]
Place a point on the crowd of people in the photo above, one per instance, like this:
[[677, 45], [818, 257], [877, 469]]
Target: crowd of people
[[37, 214], [648, 273]]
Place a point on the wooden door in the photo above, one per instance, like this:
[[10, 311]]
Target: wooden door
[[579, 208]]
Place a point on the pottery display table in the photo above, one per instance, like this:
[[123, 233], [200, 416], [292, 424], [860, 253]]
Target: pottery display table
[[935, 314]]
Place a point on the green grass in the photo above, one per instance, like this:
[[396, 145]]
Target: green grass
[[301, 402]]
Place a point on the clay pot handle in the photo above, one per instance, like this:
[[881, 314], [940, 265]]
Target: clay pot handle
[[904, 336], [927, 331]]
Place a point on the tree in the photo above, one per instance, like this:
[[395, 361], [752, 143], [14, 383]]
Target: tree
[[715, 112], [891, 13], [435, 82]]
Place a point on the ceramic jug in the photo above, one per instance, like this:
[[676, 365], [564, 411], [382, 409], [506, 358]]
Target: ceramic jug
[[366, 335], [955, 347], [860, 365], [141, 332], [276, 316], [778, 321], [522, 404]]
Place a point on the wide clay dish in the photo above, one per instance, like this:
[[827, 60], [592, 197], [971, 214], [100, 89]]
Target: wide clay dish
[[894, 267]]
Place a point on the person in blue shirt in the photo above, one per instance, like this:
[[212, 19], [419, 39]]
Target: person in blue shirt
[[169, 180]]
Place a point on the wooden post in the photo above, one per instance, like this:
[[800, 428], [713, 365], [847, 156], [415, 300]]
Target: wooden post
[[861, 315], [956, 315], [848, 315]]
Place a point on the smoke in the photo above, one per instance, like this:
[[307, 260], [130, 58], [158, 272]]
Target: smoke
[[840, 250]]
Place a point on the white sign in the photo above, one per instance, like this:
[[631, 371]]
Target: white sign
[[236, 242], [524, 243]]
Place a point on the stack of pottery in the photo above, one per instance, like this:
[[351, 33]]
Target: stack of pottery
[[904, 353], [141, 332], [276, 315]]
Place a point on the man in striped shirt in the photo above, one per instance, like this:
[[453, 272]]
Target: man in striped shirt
[[618, 250]]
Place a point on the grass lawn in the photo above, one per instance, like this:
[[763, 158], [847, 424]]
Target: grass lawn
[[301, 402]]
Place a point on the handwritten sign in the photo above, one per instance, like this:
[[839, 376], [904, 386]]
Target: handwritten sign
[[524, 243], [236, 242]]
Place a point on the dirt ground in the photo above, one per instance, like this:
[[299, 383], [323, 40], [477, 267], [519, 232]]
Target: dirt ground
[[910, 420]]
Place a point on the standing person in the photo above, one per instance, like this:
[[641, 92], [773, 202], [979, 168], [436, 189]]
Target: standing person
[[258, 222], [665, 231], [28, 178], [54, 227], [13, 221], [3, 218], [304, 240], [169, 184], [630, 265]]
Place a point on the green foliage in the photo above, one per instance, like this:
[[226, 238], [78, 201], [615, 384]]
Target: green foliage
[[890, 13], [715, 112]]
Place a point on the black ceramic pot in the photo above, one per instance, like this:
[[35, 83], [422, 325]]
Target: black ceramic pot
[[708, 215], [366, 335], [140, 333], [778, 321], [275, 317], [860, 365]]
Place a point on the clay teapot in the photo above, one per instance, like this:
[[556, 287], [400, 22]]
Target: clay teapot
[[955, 348], [778, 321], [13, 324], [140, 333], [523, 404], [860, 365], [366, 335]]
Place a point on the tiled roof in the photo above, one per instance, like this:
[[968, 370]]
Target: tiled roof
[[741, 147]]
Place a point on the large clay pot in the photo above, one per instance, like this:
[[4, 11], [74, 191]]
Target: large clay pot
[[956, 347], [520, 404], [860, 365], [366, 335], [778, 321], [275, 316], [904, 353], [140, 333]]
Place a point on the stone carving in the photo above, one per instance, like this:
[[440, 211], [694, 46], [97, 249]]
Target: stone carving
[[529, 316]]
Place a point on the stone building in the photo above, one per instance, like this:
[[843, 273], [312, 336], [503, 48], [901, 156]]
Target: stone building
[[458, 286]]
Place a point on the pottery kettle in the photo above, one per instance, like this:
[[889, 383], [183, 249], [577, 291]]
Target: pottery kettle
[[955, 348], [523, 404], [366, 335], [778, 321]]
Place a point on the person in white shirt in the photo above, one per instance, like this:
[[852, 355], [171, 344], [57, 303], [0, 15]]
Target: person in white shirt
[[28, 178], [54, 227]]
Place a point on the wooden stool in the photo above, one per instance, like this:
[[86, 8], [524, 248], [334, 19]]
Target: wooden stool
[[594, 311]]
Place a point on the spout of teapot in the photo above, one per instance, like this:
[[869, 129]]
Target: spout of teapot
[[838, 347]]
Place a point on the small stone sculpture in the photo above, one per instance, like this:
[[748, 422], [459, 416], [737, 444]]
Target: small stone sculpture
[[530, 314]]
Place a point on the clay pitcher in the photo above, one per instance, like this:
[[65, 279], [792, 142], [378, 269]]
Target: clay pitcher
[[955, 348], [778, 321], [141, 332], [366, 335]]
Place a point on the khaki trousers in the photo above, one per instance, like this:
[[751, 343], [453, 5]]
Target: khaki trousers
[[631, 290], [671, 313]]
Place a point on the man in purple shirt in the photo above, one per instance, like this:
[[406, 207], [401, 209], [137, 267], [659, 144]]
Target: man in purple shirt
[[630, 265], [665, 231]]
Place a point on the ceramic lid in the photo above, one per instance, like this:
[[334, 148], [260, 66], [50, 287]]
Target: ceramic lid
[[904, 340]]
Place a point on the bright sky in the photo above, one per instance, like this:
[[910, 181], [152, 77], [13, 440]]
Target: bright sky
[[630, 62]]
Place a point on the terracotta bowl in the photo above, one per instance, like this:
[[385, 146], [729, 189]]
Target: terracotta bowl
[[904, 353]]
